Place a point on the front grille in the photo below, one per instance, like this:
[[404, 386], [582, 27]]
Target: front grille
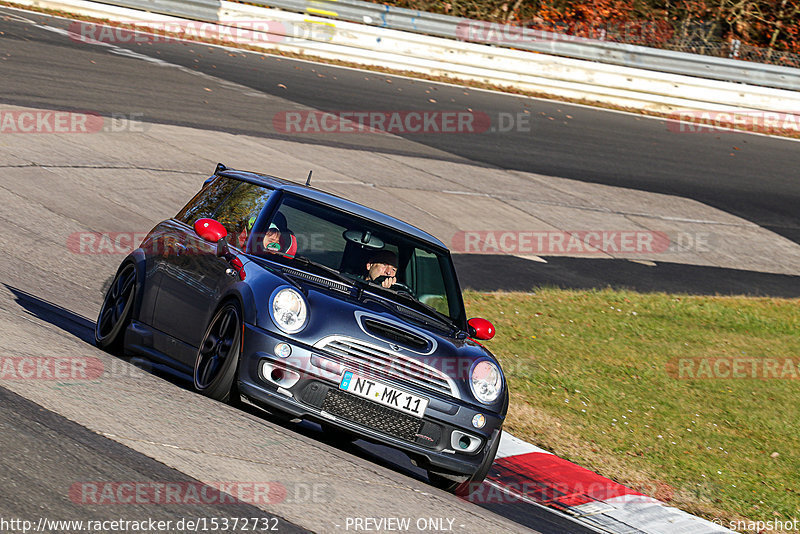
[[364, 358], [371, 415]]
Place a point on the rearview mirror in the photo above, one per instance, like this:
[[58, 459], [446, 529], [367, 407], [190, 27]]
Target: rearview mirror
[[480, 328], [210, 230]]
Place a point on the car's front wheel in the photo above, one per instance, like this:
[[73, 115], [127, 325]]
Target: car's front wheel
[[464, 485], [115, 313], [218, 355]]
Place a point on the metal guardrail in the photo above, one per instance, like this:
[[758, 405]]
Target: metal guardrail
[[507, 36], [207, 10], [369, 43]]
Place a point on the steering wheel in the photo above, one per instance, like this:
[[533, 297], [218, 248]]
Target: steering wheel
[[399, 287]]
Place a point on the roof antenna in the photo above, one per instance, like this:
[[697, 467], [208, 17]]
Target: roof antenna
[[308, 180]]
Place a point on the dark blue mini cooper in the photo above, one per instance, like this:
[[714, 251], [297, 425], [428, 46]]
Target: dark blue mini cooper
[[319, 308]]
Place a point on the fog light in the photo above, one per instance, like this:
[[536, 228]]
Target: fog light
[[283, 350], [276, 375], [479, 420], [462, 442]]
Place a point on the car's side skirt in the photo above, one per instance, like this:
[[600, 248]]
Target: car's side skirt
[[161, 348]]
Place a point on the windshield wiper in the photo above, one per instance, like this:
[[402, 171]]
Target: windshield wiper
[[430, 309], [328, 270], [422, 308], [415, 305]]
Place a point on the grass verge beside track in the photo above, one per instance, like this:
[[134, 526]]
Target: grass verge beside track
[[692, 400]]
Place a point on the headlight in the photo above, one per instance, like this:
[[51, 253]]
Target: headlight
[[289, 310], [486, 381]]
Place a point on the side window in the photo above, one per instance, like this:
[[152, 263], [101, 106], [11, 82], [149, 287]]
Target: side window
[[317, 239], [231, 202], [206, 201], [428, 280]]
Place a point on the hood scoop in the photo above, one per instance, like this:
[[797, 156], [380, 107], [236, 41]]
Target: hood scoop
[[396, 335]]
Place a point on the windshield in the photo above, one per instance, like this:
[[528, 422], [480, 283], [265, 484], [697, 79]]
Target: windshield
[[300, 230]]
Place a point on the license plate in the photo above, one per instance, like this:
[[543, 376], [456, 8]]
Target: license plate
[[383, 394]]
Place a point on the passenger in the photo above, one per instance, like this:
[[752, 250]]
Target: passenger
[[278, 239]]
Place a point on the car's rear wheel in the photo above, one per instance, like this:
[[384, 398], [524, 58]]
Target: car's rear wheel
[[218, 355], [115, 313], [464, 485]]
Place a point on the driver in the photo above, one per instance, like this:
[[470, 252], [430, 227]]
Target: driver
[[382, 268]]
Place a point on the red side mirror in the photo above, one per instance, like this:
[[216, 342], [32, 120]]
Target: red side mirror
[[481, 328], [210, 230]]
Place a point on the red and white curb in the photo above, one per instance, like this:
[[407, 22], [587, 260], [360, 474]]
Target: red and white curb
[[525, 473]]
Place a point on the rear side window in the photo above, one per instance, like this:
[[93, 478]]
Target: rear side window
[[238, 212], [233, 203], [206, 202]]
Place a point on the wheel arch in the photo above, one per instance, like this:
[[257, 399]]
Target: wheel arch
[[242, 293], [138, 259]]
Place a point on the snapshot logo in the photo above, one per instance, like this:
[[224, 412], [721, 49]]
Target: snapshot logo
[[67, 122], [734, 368], [559, 242], [61, 368], [766, 122], [138, 31]]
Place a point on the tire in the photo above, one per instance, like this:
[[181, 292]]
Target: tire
[[218, 356], [463, 485], [447, 481], [116, 310], [336, 435]]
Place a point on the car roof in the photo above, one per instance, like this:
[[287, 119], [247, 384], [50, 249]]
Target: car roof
[[329, 199]]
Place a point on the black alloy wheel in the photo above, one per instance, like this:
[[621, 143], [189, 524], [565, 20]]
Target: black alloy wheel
[[218, 355], [463, 485], [115, 313]]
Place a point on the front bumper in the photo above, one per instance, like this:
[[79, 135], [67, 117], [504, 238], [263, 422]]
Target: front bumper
[[303, 385]]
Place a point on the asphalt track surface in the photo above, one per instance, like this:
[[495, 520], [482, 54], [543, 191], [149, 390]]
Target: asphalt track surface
[[47, 70], [43, 453], [46, 455], [754, 177]]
